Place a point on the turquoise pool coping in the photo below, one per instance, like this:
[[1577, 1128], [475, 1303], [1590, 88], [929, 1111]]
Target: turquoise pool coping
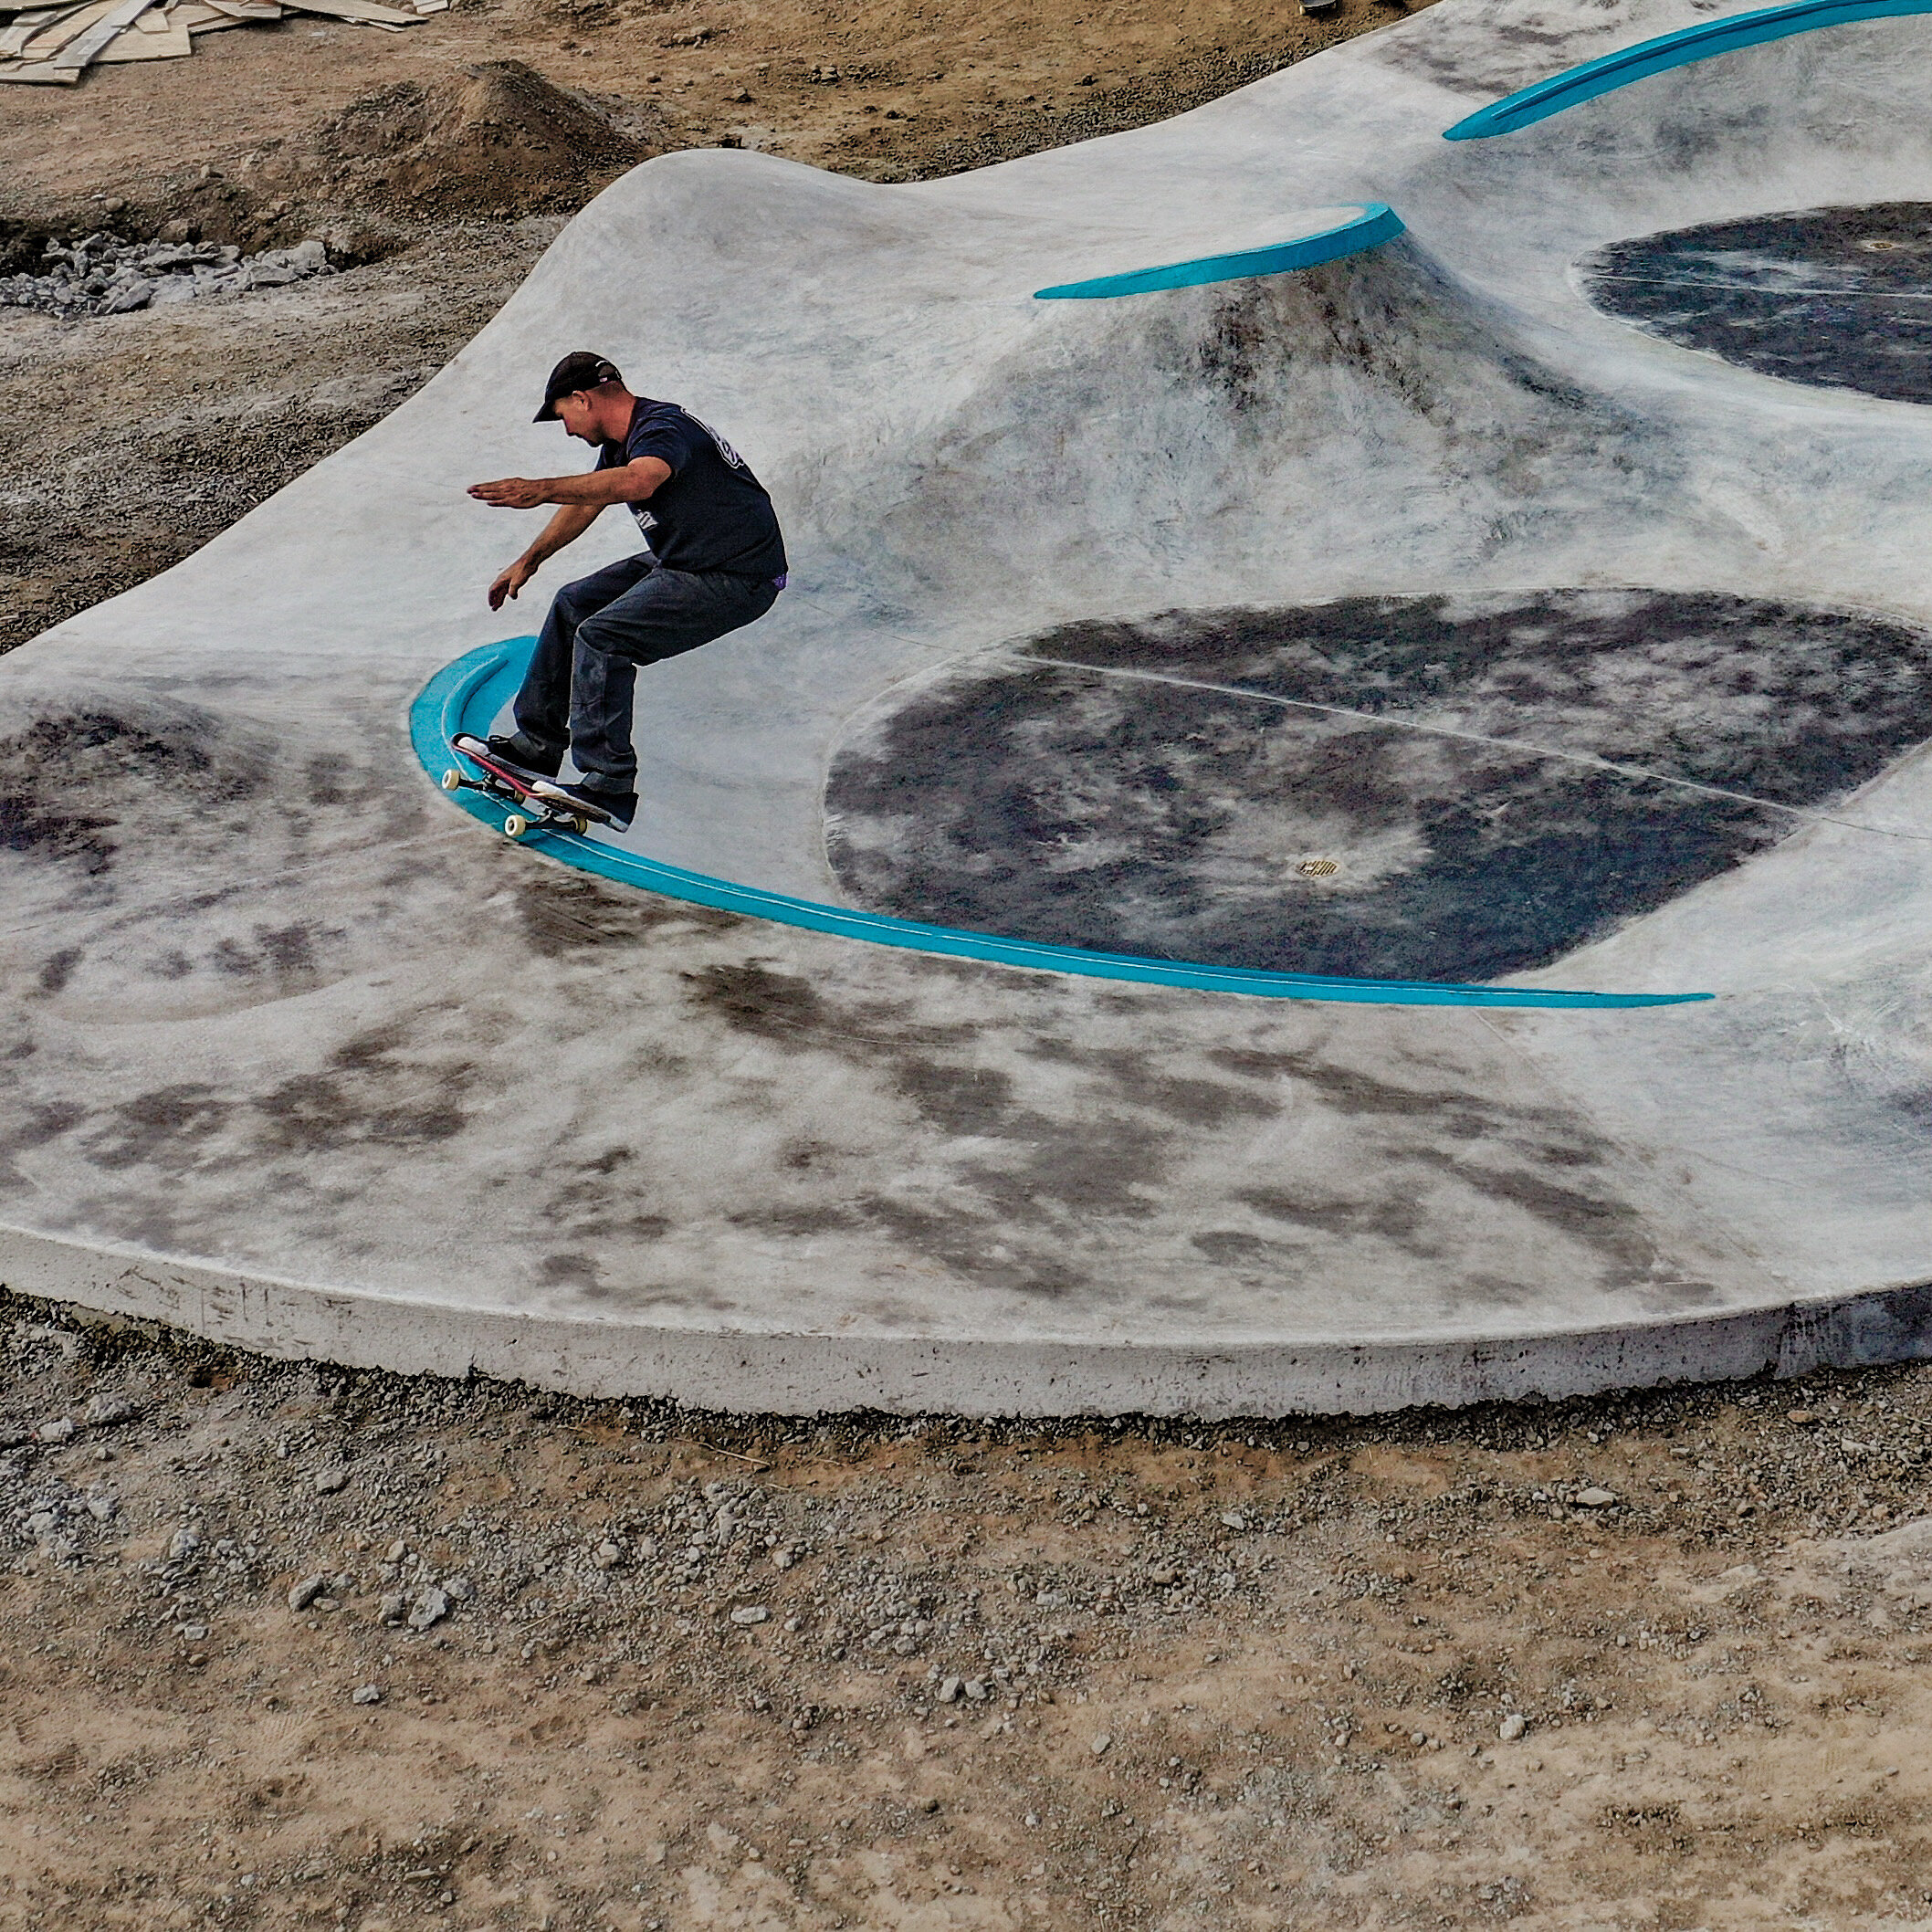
[[1375, 224], [468, 694], [1701, 42]]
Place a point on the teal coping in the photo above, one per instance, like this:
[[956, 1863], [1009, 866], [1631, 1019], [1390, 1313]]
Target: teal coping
[[467, 696], [1708, 38], [1375, 224]]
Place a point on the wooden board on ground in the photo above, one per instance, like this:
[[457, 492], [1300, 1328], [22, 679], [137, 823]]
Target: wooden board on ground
[[52, 45], [64, 28], [166, 39], [28, 26], [80, 51], [364, 10]]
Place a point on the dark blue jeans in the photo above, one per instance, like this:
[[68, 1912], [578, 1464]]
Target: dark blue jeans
[[583, 674]]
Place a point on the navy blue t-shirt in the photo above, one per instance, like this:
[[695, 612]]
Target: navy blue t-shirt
[[710, 513]]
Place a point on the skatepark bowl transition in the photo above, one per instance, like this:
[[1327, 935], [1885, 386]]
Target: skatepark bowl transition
[[1337, 814]]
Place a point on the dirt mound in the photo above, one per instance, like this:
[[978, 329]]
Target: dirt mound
[[497, 139]]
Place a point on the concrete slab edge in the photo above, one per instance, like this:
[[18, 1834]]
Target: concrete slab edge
[[822, 1375]]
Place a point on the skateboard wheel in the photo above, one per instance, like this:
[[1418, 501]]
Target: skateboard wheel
[[514, 825], [452, 781], [581, 826]]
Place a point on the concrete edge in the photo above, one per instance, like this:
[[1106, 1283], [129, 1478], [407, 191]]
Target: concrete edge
[[1372, 224], [821, 1375]]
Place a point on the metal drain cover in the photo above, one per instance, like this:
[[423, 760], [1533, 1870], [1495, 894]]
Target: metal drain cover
[[1319, 867]]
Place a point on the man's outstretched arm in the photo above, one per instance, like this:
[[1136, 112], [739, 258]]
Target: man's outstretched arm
[[565, 526], [596, 488], [581, 498]]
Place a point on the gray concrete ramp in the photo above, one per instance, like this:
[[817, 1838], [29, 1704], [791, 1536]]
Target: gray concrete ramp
[[1448, 613]]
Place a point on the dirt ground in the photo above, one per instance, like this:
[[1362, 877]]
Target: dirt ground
[[1648, 1661]]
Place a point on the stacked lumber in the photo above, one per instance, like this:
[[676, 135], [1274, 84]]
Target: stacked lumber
[[55, 44]]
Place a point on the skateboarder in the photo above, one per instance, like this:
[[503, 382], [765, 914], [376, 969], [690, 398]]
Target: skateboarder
[[715, 560]]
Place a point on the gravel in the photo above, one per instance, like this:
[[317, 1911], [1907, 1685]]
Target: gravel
[[1238, 1629]]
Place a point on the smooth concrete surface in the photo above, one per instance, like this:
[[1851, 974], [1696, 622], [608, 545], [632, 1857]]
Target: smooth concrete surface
[[1708, 39], [299, 1054]]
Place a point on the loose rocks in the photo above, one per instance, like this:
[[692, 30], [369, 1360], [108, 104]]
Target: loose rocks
[[102, 275], [430, 1608]]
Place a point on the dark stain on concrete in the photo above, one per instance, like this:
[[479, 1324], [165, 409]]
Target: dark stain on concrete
[[1189, 1100], [959, 1100], [282, 952], [979, 1247], [603, 1197], [170, 1129], [38, 1122], [1417, 751], [1236, 1248], [1396, 1217], [59, 969], [1837, 297], [73, 837], [565, 914], [798, 1219], [1613, 1227], [579, 1272], [70, 783], [781, 1007], [377, 1090]]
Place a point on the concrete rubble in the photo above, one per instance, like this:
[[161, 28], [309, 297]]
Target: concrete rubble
[[101, 274]]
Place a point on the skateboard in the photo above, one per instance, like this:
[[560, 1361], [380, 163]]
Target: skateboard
[[500, 780]]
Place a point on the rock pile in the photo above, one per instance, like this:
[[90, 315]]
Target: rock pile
[[102, 275]]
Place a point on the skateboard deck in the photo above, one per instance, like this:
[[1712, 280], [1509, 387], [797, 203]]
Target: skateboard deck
[[504, 781]]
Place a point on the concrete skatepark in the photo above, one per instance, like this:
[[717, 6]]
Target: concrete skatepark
[[1551, 571]]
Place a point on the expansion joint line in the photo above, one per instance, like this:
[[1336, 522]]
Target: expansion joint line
[[1589, 760], [1844, 295]]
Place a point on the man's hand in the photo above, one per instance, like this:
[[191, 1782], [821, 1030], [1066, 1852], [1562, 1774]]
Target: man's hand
[[514, 492], [510, 581]]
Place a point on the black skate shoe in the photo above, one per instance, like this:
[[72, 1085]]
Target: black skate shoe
[[514, 750], [619, 808]]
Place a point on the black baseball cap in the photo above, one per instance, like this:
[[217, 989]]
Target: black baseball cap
[[581, 369]]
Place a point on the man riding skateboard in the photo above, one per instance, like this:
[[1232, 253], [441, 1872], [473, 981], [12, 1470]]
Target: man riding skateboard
[[716, 562]]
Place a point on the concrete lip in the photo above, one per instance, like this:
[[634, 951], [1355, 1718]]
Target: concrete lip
[[298, 1057], [1295, 242]]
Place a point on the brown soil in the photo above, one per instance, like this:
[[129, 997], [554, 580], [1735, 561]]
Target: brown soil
[[918, 90], [696, 1673]]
